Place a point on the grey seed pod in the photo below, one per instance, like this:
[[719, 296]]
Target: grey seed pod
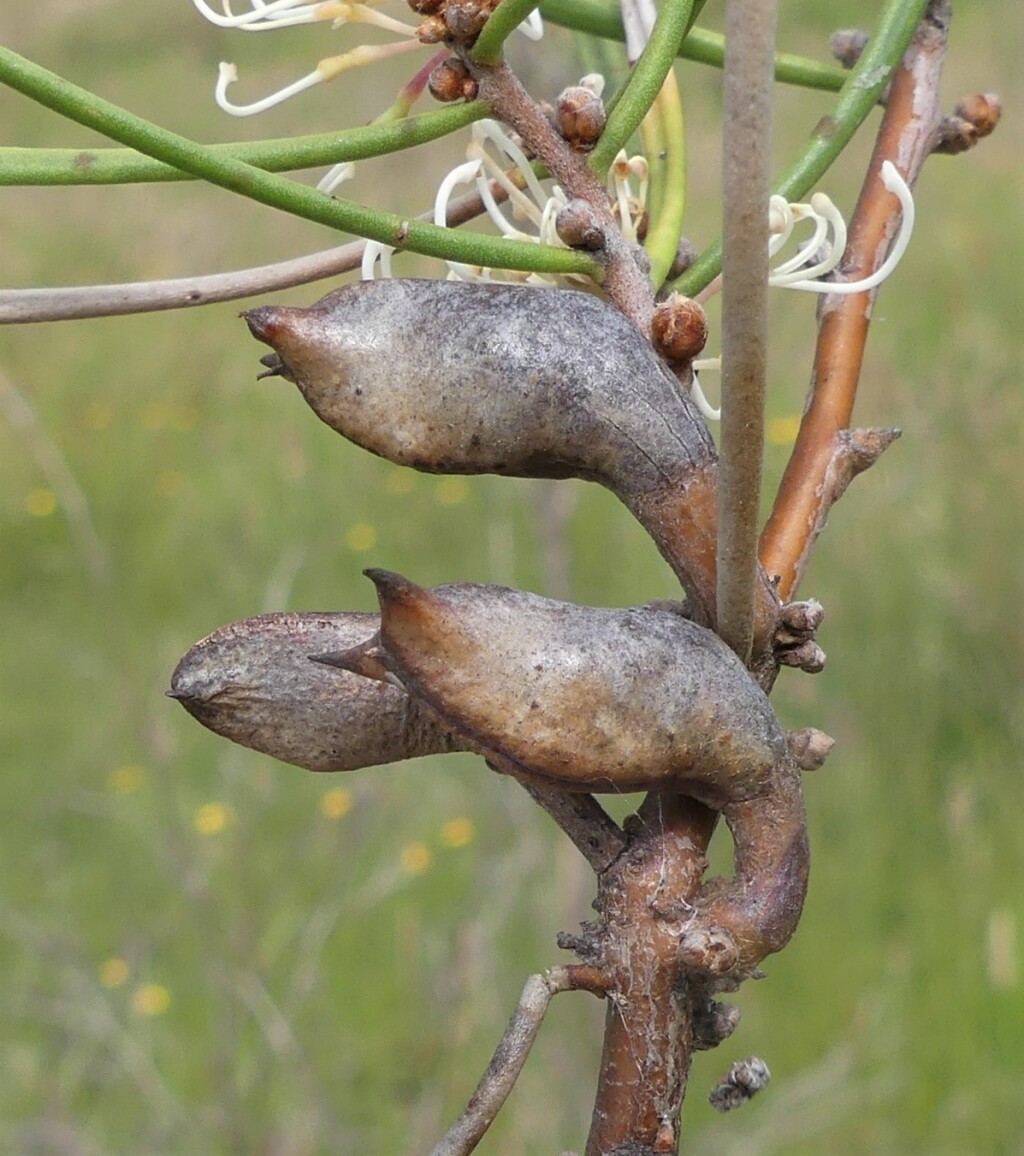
[[578, 697], [253, 683], [588, 699], [468, 379]]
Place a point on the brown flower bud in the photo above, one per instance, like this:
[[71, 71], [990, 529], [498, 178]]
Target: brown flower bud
[[525, 382], [847, 45], [580, 116], [451, 80], [982, 111], [810, 748], [465, 20], [427, 7], [579, 226], [253, 683], [679, 329], [433, 30]]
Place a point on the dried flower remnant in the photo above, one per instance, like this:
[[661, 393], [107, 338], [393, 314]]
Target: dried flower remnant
[[277, 14], [739, 1085]]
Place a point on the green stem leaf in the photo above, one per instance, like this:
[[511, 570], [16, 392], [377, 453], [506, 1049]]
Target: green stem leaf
[[77, 104], [644, 84], [503, 21], [601, 18], [114, 166]]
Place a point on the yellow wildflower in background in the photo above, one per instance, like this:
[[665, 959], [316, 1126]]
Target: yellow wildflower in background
[[41, 502], [114, 972], [452, 491], [415, 858], [125, 780], [361, 537], [458, 832], [335, 803], [151, 999], [213, 818]]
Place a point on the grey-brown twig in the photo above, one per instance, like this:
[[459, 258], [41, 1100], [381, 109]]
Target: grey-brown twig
[[510, 1055], [76, 303], [750, 33]]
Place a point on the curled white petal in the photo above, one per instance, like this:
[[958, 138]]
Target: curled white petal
[[285, 11], [372, 253], [894, 182], [228, 74], [697, 394]]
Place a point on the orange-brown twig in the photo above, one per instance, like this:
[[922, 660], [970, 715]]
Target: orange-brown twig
[[815, 477]]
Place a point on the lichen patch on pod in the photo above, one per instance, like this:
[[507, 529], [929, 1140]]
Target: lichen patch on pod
[[580, 697], [252, 682]]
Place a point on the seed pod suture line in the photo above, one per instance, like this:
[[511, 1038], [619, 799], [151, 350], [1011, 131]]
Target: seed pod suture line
[[252, 682], [453, 378]]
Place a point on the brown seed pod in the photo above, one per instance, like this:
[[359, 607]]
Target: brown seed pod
[[587, 699], [579, 697], [253, 683], [468, 379]]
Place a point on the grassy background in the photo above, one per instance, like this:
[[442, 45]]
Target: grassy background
[[206, 953]]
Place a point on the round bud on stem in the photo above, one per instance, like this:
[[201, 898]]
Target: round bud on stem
[[580, 116], [679, 329], [451, 80], [847, 45], [427, 7], [579, 226], [982, 110], [433, 30], [465, 20]]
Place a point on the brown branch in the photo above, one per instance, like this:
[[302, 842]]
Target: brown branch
[[626, 282], [510, 1055], [905, 137], [656, 1016], [748, 92]]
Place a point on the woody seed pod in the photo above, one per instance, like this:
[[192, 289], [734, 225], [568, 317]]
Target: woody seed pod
[[468, 379], [587, 699], [578, 697], [253, 683]]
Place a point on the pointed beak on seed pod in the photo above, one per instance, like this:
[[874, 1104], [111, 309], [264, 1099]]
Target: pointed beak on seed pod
[[253, 683]]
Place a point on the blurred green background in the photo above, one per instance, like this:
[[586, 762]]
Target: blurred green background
[[204, 952]]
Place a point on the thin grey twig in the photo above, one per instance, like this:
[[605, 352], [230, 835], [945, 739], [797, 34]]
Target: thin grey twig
[[507, 1062], [750, 47], [21, 306], [69, 494]]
